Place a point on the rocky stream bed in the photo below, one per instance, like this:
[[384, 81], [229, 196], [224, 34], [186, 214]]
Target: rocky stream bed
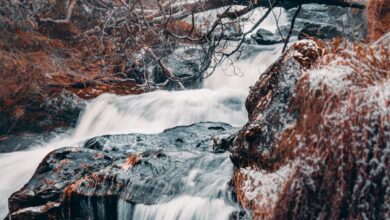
[[227, 148]]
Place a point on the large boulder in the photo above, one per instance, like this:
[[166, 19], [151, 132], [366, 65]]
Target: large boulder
[[265, 37], [351, 22], [317, 143], [324, 32], [187, 64], [109, 171], [268, 104]]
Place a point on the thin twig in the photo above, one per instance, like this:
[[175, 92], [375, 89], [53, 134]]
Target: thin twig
[[292, 27]]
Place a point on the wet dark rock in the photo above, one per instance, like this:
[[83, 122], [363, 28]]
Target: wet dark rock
[[317, 13], [11, 143], [268, 104], [222, 143], [251, 49], [233, 33], [87, 182], [65, 107], [240, 215], [264, 37], [350, 24], [42, 114], [186, 63], [324, 32], [216, 128], [249, 41]]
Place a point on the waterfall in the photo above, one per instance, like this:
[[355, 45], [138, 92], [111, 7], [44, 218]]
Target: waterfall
[[221, 100]]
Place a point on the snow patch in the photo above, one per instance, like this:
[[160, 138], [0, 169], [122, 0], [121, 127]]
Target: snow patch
[[333, 76], [306, 45], [262, 187]]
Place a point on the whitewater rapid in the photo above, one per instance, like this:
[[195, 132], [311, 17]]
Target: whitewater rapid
[[221, 100]]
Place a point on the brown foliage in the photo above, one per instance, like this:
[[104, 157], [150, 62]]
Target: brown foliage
[[183, 28], [378, 17], [340, 143], [34, 67]]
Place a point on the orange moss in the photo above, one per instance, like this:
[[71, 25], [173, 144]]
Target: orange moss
[[131, 161], [238, 180]]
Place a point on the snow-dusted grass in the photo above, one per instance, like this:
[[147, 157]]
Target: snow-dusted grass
[[341, 138], [333, 76], [339, 145], [263, 188]]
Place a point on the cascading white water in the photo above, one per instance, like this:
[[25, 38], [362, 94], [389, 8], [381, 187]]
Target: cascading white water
[[153, 112], [206, 195], [221, 100]]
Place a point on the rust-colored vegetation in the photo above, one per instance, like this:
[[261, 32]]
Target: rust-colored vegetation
[[339, 147], [39, 60], [131, 161], [183, 28], [340, 140], [378, 18]]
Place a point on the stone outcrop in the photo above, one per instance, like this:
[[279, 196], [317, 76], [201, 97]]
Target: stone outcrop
[[268, 104], [324, 32], [325, 22], [187, 63], [317, 141], [263, 170], [88, 182], [264, 37]]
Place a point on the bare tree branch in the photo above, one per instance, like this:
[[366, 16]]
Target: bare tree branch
[[291, 28]]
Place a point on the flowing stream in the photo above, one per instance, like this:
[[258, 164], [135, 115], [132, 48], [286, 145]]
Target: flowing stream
[[221, 100]]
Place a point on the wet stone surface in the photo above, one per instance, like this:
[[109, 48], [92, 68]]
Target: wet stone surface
[[268, 104], [136, 169]]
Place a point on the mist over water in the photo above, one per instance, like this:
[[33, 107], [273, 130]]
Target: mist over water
[[221, 100]]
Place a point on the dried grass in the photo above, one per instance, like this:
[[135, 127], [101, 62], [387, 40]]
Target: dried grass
[[341, 141], [183, 28]]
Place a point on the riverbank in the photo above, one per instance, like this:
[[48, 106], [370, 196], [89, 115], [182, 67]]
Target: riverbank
[[45, 77]]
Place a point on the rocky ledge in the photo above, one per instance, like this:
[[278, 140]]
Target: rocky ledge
[[90, 181]]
